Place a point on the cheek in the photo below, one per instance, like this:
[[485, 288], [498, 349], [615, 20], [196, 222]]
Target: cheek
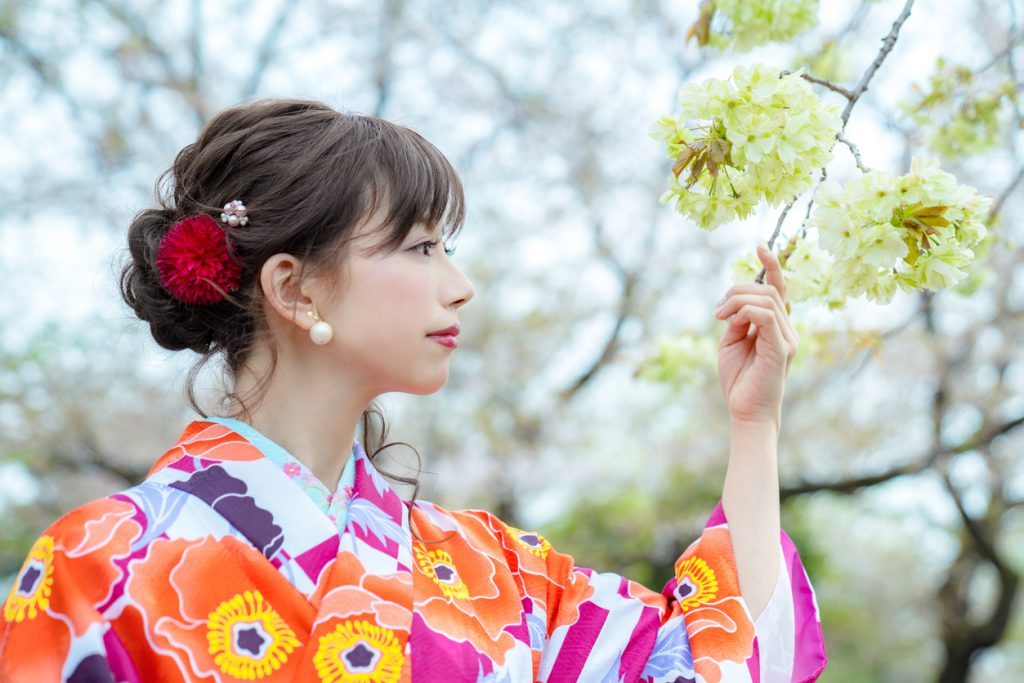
[[403, 287], [392, 293]]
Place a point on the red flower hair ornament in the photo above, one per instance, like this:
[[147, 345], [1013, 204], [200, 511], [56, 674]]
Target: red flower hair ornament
[[194, 262]]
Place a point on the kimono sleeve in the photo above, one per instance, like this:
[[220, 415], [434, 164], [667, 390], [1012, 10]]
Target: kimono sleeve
[[604, 627], [52, 626]]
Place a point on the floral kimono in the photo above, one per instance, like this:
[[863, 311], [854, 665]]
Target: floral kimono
[[231, 561]]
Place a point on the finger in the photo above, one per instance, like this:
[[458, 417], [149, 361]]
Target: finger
[[773, 269], [767, 328], [735, 331], [755, 288], [734, 304], [739, 326], [767, 297]]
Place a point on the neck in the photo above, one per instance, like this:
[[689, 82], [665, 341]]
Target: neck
[[310, 413]]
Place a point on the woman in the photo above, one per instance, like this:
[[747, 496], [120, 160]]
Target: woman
[[303, 246]]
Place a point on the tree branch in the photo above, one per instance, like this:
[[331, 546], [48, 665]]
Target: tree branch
[[887, 44], [854, 484], [841, 137], [1003, 196], [1005, 52], [611, 345], [382, 64], [630, 280], [91, 458], [1011, 65], [45, 69], [963, 637], [848, 94], [196, 44], [171, 79], [267, 47]]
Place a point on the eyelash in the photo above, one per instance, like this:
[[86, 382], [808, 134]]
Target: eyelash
[[433, 244]]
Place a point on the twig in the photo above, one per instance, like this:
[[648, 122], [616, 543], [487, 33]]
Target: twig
[[845, 92], [853, 484], [853, 149], [887, 44], [998, 204], [982, 539], [627, 301], [1006, 51], [976, 634], [810, 204], [383, 62], [196, 44], [771, 240], [611, 344], [265, 52], [1011, 66], [855, 20], [782, 219]]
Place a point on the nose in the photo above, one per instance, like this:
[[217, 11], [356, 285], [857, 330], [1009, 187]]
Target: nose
[[462, 287]]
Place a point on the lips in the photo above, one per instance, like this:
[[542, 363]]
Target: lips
[[446, 332]]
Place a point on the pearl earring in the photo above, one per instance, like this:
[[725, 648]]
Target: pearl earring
[[321, 332]]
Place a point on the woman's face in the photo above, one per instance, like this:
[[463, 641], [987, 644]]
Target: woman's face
[[387, 306]]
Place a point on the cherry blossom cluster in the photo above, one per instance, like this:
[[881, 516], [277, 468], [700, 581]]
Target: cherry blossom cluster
[[915, 231], [756, 135], [744, 24]]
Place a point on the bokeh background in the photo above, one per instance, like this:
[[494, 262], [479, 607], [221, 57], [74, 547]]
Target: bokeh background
[[901, 452]]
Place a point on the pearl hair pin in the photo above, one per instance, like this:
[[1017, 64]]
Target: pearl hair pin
[[235, 213], [321, 332]]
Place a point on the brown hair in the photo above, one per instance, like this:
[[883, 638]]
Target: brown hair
[[308, 175]]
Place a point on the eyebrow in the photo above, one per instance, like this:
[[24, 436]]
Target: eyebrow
[[424, 228]]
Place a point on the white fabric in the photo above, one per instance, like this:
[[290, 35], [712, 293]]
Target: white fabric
[[775, 628]]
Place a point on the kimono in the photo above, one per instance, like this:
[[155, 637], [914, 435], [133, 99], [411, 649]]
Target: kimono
[[231, 561]]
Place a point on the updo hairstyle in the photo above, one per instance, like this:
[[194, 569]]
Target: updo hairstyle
[[308, 175]]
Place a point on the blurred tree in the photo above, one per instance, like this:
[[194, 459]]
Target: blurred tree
[[901, 465]]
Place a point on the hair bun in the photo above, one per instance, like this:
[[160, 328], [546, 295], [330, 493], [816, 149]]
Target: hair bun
[[173, 325]]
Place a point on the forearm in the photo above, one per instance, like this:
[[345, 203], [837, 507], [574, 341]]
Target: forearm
[[750, 500]]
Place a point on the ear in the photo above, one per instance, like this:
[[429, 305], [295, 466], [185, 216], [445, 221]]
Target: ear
[[279, 279]]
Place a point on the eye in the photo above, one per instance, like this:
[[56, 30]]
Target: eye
[[427, 246]]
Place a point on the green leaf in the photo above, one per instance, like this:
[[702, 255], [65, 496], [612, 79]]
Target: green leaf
[[719, 150], [929, 211], [911, 243], [682, 161]]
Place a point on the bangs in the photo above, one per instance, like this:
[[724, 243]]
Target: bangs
[[415, 183]]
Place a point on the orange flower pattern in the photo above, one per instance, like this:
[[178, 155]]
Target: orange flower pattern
[[223, 566]]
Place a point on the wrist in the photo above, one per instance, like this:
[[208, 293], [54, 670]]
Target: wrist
[[755, 426], [754, 444]]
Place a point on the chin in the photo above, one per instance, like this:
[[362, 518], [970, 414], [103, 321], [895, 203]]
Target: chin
[[427, 386]]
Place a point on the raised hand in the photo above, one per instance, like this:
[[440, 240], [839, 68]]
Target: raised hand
[[757, 347]]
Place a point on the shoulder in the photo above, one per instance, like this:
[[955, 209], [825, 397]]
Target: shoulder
[[83, 545], [91, 533], [98, 526], [70, 565]]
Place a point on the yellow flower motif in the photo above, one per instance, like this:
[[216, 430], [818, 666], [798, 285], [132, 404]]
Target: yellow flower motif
[[696, 583], [532, 541], [438, 565], [30, 593], [248, 638], [359, 652]]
